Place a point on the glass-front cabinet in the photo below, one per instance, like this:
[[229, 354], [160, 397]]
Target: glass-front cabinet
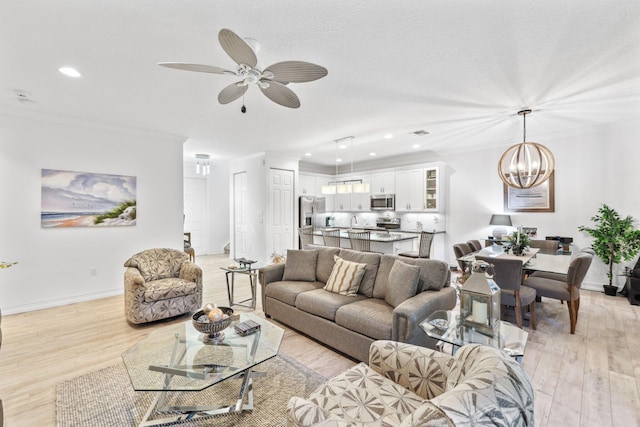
[[432, 189]]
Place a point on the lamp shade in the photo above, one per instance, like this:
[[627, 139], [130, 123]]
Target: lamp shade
[[500, 220]]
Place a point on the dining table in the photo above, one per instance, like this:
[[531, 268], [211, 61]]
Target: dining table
[[531, 259]]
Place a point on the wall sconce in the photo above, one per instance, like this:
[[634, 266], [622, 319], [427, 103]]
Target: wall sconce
[[203, 165]]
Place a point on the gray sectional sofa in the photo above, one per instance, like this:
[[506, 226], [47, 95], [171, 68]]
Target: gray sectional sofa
[[390, 302]]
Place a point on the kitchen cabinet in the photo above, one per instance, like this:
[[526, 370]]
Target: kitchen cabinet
[[383, 183], [432, 189], [308, 186], [410, 193], [361, 202]]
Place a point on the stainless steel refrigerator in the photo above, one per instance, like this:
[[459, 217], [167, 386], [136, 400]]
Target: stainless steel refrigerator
[[311, 212]]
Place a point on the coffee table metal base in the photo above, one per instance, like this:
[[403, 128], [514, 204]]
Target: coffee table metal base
[[184, 413]]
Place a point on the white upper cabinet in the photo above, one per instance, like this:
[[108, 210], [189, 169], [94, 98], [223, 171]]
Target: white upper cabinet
[[383, 183], [361, 201], [307, 185], [410, 190], [432, 189]]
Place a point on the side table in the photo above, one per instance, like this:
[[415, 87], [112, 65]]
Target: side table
[[248, 270], [443, 326]]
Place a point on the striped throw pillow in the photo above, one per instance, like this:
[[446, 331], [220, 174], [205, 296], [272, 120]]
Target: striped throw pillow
[[345, 277]]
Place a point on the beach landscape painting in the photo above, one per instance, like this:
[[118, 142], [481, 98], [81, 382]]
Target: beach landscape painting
[[85, 199]]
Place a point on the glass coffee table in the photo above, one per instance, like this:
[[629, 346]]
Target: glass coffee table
[[443, 326], [175, 358]]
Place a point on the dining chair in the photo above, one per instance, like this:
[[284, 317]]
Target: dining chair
[[331, 237], [564, 290], [306, 236], [475, 245], [460, 250], [360, 240], [508, 275], [546, 246], [424, 249]]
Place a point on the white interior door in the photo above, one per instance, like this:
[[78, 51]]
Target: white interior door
[[240, 224], [196, 213], [280, 236]]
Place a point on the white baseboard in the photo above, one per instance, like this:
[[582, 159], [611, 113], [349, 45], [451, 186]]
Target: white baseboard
[[58, 302]]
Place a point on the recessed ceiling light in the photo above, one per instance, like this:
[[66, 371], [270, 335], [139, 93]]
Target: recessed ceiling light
[[342, 146], [338, 160], [307, 154], [416, 146], [71, 72], [372, 154], [388, 136]]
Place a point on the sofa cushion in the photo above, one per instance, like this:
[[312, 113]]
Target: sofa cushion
[[325, 261], [168, 288], [345, 277], [300, 265], [323, 303], [362, 396], [287, 292], [370, 316], [156, 264], [371, 270], [402, 283], [434, 274]]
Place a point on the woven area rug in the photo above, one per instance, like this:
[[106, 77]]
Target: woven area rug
[[106, 398]]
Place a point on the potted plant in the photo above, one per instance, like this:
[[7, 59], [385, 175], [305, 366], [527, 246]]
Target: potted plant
[[518, 243], [615, 240]]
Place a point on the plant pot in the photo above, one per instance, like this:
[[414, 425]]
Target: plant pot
[[610, 290]]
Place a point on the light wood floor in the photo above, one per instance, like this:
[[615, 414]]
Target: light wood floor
[[591, 378]]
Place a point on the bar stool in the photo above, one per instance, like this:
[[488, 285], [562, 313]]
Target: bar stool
[[424, 251]]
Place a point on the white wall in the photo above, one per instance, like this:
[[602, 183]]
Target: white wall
[[62, 265], [591, 169]]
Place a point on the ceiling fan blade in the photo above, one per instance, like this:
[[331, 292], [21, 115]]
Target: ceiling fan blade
[[280, 94], [231, 93], [296, 71], [195, 67], [237, 48]]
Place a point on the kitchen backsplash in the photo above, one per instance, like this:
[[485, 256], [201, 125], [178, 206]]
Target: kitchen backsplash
[[409, 221]]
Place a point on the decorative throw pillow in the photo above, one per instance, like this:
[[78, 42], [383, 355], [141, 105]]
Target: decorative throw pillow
[[300, 265], [345, 277], [402, 283]]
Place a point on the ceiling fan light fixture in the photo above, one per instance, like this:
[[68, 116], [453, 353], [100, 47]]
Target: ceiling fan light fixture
[[527, 164]]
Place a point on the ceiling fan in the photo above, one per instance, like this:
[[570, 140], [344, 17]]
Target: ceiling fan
[[272, 80]]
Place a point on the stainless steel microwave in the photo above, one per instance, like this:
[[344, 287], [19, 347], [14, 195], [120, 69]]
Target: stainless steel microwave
[[383, 202]]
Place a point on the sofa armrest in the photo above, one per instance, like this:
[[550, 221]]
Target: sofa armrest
[[271, 273], [303, 413], [133, 286], [419, 369], [191, 272], [408, 315]]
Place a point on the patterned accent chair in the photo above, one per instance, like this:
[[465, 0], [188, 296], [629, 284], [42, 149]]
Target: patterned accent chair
[[406, 385], [160, 283]]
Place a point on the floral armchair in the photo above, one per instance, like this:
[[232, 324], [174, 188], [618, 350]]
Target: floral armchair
[[160, 283], [406, 385]]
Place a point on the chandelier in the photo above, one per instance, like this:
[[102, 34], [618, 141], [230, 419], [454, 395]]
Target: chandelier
[[203, 165], [349, 185], [528, 164]]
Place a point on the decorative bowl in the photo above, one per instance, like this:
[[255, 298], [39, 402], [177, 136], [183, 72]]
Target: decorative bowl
[[213, 331]]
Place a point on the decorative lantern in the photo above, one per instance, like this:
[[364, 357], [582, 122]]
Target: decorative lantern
[[480, 301]]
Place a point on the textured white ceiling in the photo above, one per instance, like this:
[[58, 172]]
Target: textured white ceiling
[[458, 69]]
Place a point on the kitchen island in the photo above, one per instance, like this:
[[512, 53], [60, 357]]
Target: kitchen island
[[381, 241]]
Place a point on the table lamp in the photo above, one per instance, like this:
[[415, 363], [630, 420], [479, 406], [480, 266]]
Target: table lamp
[[500, 220]]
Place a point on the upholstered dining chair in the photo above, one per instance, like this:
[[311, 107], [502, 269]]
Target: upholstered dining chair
[[360, 240], [475, 245], [160, 283], [306, 236], [424, 248], [546, 246], [331, 237], [460, 250], [564, 290], [508, 275]]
